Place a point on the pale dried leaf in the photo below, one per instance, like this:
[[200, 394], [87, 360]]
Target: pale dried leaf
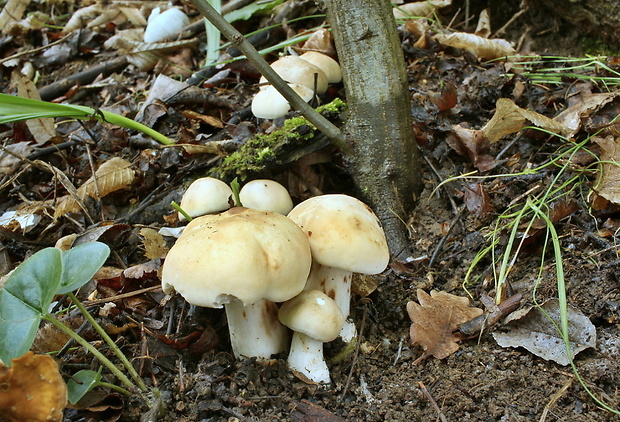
[[573, 116], [93, 16], [419, 9], [484, 24], [534, 331], [154, 243], [10, 163], [32, 390], [608, 182], [113, 175], [483, 48], [436, 318], [138, 271], [510, 118], [208, 148], [12, 12], [42, 128]]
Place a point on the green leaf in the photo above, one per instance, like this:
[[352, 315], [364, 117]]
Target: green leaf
[[25, 297], [18, 327], [80, 264], [81, 383], [248, 11]]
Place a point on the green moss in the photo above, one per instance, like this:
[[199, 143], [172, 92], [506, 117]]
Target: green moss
[[598, 47], [264, 151]]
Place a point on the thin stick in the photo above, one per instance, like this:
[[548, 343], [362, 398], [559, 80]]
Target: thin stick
[[237, 39], [432, 402]]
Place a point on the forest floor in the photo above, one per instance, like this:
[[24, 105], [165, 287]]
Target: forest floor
[[186, 354]]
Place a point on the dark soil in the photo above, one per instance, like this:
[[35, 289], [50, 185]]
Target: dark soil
[[193, 368]]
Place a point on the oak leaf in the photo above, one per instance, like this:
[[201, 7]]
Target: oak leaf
[[435, 320]]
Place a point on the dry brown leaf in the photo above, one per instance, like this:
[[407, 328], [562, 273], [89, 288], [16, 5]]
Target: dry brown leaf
[[419, 9], [32, 390], [483, 48], [154, 243], [12, 12], [608, 182], [435, 319], [477, 200], [510, 118], [574, 116], [111, 176], [42, 128], [472, 143]]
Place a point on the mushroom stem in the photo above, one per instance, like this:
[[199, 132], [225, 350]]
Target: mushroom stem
[[335, 283], [255, 330], [306, 357]]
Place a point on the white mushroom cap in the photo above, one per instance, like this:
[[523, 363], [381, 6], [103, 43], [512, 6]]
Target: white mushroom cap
[[299, 71], [165, 24], [204, 196], [266, 195], [268, 103], [314, 314], [343, 233], [242, 253], [329, 66]]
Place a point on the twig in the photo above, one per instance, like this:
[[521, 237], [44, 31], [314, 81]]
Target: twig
[[355, 354], [34, 50], [554, 399], [441, 242], [432, 402], [237, 39], [122, 296]]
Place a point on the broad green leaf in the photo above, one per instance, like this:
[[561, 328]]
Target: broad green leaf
[[248, 11], [18, 327], [36, 280], [80, 264], [81, 383]]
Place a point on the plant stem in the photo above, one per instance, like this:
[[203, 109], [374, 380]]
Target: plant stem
[[81, 341], [117, 351], [237, 39], [114, 387]]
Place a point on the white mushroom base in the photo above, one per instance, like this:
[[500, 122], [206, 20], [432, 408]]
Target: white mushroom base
[[255, 330], [306, 357]]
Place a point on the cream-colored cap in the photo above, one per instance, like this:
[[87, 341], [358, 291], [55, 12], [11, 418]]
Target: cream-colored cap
[[329, 66], [266, 195], [299, 71], [268, 103], [343, 233], [242, 253], [205, 196], [314, 314]]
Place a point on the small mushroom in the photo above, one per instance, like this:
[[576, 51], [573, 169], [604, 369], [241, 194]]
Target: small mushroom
[[295, 70], [268, 103], [205, 196], [165, 24], [244, 260], [329, 66], [345, 236], [315, 319], [266, 195]]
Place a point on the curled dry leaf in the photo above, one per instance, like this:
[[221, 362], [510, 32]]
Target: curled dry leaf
[[483, 48], [154, 243], [435, 319], [111, 176], [41, 128], [510, 118], [12, 11], [32, 390], [473, 144], [419, 9], [608, 181], [537, 332]]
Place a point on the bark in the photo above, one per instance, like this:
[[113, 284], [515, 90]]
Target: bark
[[383, 160], [598, 18]]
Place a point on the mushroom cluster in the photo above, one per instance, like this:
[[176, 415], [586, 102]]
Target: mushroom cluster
[[250, 258], [307, 74]]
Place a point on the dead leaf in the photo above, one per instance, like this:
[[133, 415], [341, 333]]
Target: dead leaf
[[573, 116], [536, 332], [10, 163], [435, 320], [483, 48], [474, 144], [510, 118], [209, 120], [42, 128], [12, 11], [305, 411], [608, 181], [320, 41], [154, 243], [111, 176], [477, 200], [419, 9], [32, 390]]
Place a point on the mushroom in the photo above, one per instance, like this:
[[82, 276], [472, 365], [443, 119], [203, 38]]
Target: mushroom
[[205, 196], [315, 319], [268, 103], [295, 70], [345, 236], [266, 195], [244, 260], [329, 66], [165, 24]]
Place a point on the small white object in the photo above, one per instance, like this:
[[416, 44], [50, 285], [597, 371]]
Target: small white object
[[268, 103], [329, 66], [205, 196], [266, 195], [165, 24], [295, 70]]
